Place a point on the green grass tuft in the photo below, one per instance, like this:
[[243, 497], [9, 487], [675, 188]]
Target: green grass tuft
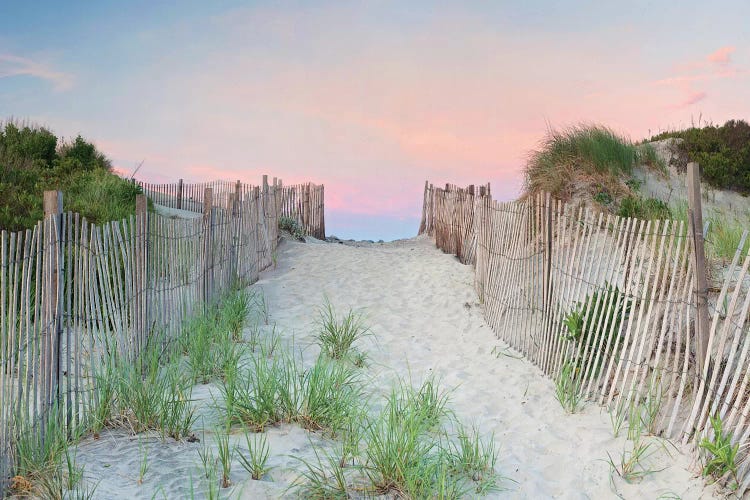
[[336, 336], [592, 151]]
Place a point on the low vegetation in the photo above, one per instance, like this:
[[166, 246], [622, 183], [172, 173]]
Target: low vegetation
[[406, 450], [293, 227], [590, 155], [722, 454], [723, 152], [33, 159], [336, 335], [408, 444]]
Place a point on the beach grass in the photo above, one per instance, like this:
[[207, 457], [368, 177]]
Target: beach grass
[[592, 151], [336, 335], [256, 460]]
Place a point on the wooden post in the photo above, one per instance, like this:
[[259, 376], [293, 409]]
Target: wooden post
[[424, 209], [547, 293], [322, 235], [208, 245], [179, 194], [700, 289], [232, 212], [306, 208], [141, 286], [52, 290]]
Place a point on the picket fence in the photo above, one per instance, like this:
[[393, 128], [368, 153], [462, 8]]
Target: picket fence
[[302, 202], [610, 304], [72, 292]]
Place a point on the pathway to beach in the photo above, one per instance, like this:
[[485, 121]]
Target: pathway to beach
[[425, 318]]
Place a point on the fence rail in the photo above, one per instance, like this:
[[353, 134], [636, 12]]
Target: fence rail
[[610, 303], [71, 292], [302, 202]]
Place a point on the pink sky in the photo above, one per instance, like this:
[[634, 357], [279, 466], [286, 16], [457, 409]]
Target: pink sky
[[372, 100]]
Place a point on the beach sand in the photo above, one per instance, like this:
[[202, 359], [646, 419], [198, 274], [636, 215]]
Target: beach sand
[[425, 319]]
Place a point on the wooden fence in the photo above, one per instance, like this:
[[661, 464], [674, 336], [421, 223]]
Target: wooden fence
[[612, 304], [72, 292], [302, 202]]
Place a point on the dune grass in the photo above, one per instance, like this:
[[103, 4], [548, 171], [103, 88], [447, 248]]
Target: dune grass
[[594, 152], [337, 334], [256, 460], [44, 464], [724, 238], [406, 450]]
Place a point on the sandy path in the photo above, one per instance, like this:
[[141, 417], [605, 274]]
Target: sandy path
[[425, 318]]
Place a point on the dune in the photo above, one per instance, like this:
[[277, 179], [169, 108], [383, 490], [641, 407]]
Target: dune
[[425, 320]]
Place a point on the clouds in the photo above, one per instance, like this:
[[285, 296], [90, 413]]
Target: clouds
[[368, 98], [721, 56], [692, 78], [12, 65]]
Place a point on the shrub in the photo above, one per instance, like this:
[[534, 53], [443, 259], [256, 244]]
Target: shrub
[[290, 224], [32, 160], [723, 152]]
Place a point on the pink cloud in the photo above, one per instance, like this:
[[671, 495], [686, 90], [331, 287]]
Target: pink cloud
[[721, 56], [692, 98]]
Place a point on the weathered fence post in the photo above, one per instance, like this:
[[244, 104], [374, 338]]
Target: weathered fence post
[[208, 245], [700, 285], [306, 207], [547, 293], [232, 216], [52, 296], [179, 194], [423, 222], [322, 202], [141, 275]]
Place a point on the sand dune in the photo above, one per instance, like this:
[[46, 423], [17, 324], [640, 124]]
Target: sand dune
[[425, 319]]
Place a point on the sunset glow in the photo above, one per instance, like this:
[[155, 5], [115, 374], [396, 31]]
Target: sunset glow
[[370, 99]]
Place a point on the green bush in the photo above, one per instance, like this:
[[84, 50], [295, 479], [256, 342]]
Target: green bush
[[723, 152], [32, 160]]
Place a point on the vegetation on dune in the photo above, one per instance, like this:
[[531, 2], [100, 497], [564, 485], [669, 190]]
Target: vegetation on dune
[[33, 159], [723, 152], [591, 153]]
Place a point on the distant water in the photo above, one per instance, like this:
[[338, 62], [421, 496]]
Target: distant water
[[370, 227]]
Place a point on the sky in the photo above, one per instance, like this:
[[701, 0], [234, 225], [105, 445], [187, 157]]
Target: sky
[[369, 98]]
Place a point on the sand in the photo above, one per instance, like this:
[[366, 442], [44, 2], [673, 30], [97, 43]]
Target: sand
[[425, 319]]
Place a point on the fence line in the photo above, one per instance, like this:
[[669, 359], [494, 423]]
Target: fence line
[[302, 202], [609, 303], [71, 292]]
